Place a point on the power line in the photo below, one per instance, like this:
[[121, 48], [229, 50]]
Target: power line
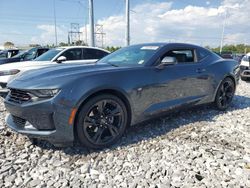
[[99, 35]]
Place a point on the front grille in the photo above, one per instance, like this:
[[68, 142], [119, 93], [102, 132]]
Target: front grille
[[19, 121], [247, 73], [18, 96]]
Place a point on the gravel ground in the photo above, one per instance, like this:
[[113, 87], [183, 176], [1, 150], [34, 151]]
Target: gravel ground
[[194, 148]]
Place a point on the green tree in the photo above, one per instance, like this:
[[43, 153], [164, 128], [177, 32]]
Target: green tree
[[8, 44], [63, 44], [112, 48]]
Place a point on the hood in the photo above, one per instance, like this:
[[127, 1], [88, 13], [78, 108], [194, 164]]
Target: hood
[[63, 70], [57, 75]]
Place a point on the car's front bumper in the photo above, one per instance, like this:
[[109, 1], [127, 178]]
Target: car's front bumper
[[245, 71], [44, 120]]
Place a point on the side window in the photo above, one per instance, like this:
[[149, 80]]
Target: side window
[[13, 53], [201, 54], [93, 53], [182, 56], [73, 54]]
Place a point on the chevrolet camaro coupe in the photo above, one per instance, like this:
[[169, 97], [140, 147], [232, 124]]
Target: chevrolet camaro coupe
[[94, 103]]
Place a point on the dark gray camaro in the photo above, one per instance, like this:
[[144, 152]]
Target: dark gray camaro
[[95, 102]]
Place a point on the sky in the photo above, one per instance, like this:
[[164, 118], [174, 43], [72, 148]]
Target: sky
[[200, 22]]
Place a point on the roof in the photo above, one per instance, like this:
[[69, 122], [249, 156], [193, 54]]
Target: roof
[[70, 47], [169, 44]]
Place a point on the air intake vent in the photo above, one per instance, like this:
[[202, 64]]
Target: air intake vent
[[18, 96]]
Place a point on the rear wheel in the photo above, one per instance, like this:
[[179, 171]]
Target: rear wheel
[[225, 94], [101, 121]]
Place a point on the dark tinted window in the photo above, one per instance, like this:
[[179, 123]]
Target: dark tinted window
[[89, 53], [201, 54], [13, 53], [41, 51], [73, 54], [182, 56]]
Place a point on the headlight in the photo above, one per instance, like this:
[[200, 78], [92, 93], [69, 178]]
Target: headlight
[[9, 72], [44, 93]]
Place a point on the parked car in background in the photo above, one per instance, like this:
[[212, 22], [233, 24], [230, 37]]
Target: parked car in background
[[4, 54], [73, 54], [53, 57], [26, 55], [95, 103], [245, 68], [227, 55], [238, 57]]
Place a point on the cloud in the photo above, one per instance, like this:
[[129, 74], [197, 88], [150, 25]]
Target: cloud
[[47, 35], [153, 22]]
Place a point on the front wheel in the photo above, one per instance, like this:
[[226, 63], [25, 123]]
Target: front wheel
[[225, 94], [101, 121]]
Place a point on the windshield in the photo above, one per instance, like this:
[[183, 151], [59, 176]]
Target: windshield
[[136, 55], [20, 54], [245, 58], [49, 55]]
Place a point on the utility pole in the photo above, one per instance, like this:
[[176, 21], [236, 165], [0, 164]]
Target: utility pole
[[127, 35], [222, 34], [55, 21], [91, 23]]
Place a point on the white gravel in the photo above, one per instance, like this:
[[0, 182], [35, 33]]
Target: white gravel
[[194, 148]]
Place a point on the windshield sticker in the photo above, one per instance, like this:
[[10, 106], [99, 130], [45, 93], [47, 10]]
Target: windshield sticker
[[149, 47]]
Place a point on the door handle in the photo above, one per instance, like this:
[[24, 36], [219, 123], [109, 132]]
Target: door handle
[[200, 70]]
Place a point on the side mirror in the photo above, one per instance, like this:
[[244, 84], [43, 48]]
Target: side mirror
[[167, 61], [61, 59]]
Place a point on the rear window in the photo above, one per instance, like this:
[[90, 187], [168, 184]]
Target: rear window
[[89, 53], [201, 54]]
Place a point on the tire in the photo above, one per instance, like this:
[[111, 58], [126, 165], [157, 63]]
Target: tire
[[225, 94], [101, 121]]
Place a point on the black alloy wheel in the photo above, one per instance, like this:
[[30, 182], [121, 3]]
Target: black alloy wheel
[[225, 94], [102, 121]]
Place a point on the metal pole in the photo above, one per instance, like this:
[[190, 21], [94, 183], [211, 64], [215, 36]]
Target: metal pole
[[55, 22], [91, 23], [127, 35], [223, 33]]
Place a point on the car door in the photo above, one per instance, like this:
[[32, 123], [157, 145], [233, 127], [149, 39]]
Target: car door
[[183, 83]]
